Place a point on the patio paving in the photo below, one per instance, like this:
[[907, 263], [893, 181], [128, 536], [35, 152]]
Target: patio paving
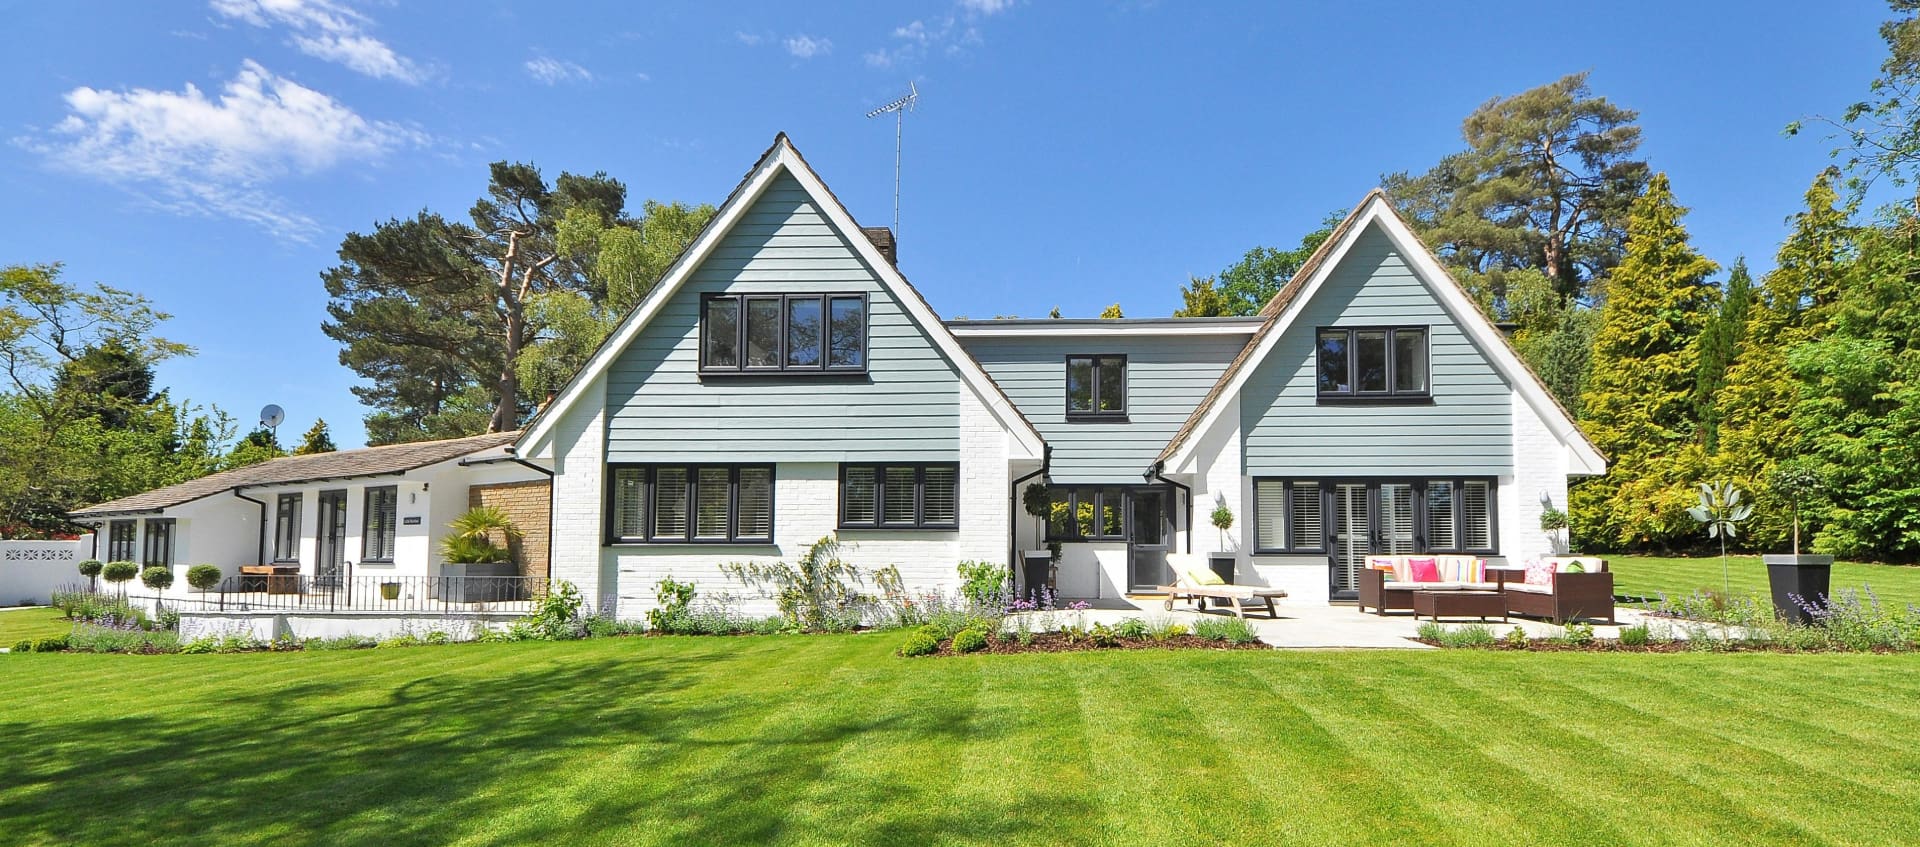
[[1303, 625]]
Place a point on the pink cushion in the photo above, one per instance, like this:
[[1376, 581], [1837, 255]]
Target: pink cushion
[[1540, 572], [1424, 570]]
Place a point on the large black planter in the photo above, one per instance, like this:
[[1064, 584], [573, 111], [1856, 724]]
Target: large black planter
[[1222, 565], [491, 582], [1806, 577], [1033, 570]]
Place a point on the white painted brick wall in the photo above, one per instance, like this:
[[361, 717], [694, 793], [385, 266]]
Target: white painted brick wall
[[984, 479], [1540, 464], [579, 446], [1220, 480]]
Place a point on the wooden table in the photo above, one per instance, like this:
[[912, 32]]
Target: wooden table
[[1460, 604]]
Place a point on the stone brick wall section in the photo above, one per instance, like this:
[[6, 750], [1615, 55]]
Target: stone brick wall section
[[526, 504]]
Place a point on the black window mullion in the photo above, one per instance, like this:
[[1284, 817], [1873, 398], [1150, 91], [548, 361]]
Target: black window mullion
[[733, 503], [920, 495]]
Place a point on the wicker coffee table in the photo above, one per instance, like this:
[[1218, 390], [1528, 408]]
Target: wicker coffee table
[[1460, 604]]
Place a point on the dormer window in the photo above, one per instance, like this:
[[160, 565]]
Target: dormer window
[[783, 333], [1096, 386], [1372, 363]]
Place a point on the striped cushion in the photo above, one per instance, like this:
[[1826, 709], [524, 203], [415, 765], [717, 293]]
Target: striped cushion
[[1395, 566]]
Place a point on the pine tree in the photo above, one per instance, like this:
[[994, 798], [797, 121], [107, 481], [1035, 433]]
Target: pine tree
[[1755, 408], [1645, 365], [317, 440], [1718, 344]]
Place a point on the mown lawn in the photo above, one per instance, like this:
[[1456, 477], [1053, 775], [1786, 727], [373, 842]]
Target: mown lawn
[[1651, 575], [25, 624], [831, 740]]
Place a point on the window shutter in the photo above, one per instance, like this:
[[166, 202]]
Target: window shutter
[[629, 507], [942, 504], [1308, 531], [857, 496], [756, 503], [1270, 502], [669, 503], [1440, 516], [1476, 524], [898, 508], [710, 504]]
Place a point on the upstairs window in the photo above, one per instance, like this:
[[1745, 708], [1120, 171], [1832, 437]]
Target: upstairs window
[[900, 496], [783, 333], [1096, 386], [1372, 363]]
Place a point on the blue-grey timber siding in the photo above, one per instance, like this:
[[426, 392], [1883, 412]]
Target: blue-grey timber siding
[[1468, 429], [906, 408], [1166, 377]]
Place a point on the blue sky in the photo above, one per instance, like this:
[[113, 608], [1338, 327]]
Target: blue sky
[[1070, 154]]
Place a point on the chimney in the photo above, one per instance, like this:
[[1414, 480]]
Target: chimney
[[882, 238]]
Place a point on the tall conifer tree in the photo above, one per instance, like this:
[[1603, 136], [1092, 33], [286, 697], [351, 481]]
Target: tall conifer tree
[[1639, 400]]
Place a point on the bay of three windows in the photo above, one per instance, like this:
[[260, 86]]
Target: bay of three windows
[[707, 504], [380, 526], [783, 333]]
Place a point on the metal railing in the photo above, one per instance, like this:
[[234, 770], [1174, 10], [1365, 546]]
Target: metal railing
[[343, 591]]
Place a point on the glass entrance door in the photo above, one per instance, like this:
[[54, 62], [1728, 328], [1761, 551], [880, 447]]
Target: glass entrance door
[[1352, 539], [1147, 539], [333, 539]]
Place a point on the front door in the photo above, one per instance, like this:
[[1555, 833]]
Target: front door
[[1148, 536], [333, 538]]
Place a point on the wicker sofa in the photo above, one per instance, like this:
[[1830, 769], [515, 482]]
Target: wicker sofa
[[1575, 587], [1386, 584]]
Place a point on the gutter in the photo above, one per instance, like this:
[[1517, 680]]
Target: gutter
[[260, 553], [1013, 507], [1153, 473]]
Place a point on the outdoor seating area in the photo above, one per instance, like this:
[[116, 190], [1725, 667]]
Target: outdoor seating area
[[1558, 589]]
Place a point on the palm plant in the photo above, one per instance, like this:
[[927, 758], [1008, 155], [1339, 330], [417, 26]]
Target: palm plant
[[471, 541], [1721, 511]]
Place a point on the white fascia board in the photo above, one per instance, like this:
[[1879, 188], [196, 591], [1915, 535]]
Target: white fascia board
[[1100, 332]]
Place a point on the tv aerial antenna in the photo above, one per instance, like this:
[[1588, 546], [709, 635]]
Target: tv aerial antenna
[[899, 108]]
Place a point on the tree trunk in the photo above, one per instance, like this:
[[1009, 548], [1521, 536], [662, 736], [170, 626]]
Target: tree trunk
[[506, 412]]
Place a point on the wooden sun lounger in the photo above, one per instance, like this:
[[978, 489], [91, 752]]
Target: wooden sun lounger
[[1233, 594]]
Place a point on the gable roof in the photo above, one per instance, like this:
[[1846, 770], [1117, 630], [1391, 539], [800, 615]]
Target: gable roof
[[780, 158], [1278, 315], [341, 464]]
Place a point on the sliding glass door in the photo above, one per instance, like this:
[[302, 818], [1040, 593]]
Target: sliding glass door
[[1352, 538]]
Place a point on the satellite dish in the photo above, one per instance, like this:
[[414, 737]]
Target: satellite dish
[[272, 415]]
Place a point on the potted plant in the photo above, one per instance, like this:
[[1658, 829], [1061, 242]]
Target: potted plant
[[1037, 564], [1807, 577], [1222, 560], [1721, 512], [389, 591], [476, 569], [1553, 522]]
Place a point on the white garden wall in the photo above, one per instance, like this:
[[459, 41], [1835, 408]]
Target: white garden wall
[[31, 570]]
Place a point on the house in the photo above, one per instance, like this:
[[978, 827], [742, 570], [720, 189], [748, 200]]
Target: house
[[377, 512], [785, 381]]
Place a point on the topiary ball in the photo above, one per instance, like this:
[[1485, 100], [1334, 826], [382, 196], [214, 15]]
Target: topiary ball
[[920, 644], [91, 568], [119, 571], [969, 641], [203, 577], [158, 577]]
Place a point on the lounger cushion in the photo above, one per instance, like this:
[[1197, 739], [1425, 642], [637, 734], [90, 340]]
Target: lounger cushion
[[1204, 576]]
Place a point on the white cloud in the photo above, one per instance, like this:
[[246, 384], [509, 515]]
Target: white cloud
[[555, 71], [191, 154], [326, 30], [807, 47], [750, 39], [986, 7]]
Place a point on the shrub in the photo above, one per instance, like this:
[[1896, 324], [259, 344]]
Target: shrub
[[815, 593], [158, 577], [405, 639], [558, 616], [1636, 636], [170, 619], [1232, 630], [1517, 639], [673, 598], [119, 573], [1578, 634], [23, 646], [1133, 628], [983, 583], [1102, 635], [969, 641], [91, 569], [342, 642], [50, 644], [204, 644], [203, 577], [96, 638], [920, 643], [1162, 629]]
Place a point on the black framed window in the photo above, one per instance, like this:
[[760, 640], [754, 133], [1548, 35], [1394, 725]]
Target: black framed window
[[902, 496], [783, 333], [286, 528], [1372, 363], [689, 504], [121, 536], [1087, 513], [1449, 515], [381, 525], [159, 546], [1096, 386]]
